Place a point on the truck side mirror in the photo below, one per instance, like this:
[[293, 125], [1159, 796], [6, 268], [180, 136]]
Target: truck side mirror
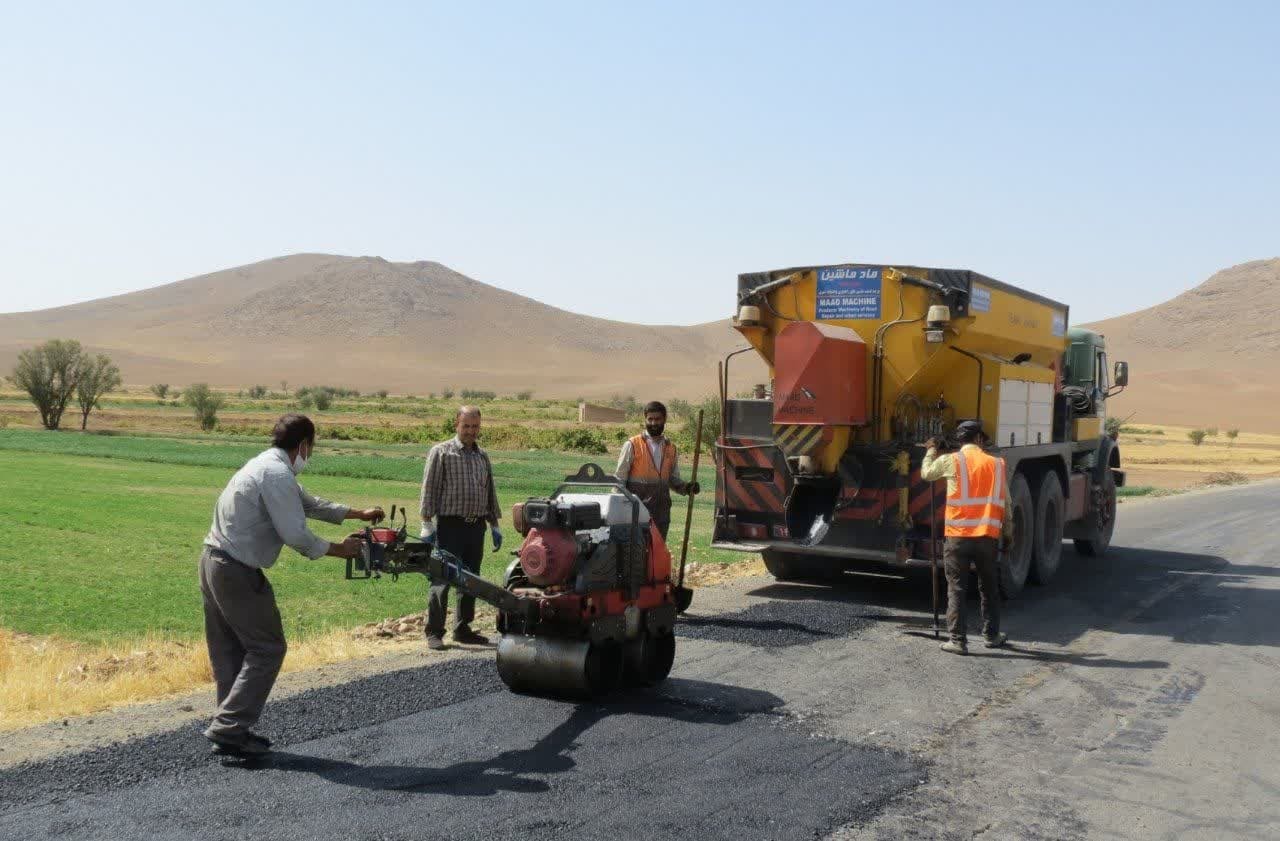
[[1121, 377]]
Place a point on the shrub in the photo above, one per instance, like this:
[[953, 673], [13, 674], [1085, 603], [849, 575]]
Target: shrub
[[319, 396], [1114, 426], [382, 394], [1211, 431], [475, 394], [160, 390], [50, 374], [1196, 436], [447, 394], [687, 414], [205, 404], [98, 375], [1231, 436], [257, 392], [524, 395]]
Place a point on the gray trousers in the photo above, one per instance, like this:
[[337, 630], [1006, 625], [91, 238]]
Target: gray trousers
[[984, 554], [246, 641]]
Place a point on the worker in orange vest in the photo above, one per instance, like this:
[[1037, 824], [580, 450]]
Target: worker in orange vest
[[976, 529], [647, 466]]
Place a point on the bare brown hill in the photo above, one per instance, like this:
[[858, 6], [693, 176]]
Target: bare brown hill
[[367, 323], [1209, 357]]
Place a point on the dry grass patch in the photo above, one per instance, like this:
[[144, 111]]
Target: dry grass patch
[[47, 678]]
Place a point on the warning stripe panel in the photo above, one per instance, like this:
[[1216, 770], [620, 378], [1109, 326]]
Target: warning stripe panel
[[764, 495], [797, 439]]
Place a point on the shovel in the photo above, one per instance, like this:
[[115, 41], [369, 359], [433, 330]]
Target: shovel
[[683, 595]]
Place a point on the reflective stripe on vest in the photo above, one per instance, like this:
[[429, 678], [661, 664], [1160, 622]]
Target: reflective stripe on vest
[[976, 507]]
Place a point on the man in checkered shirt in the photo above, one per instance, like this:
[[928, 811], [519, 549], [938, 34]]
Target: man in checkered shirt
[[458, 502]]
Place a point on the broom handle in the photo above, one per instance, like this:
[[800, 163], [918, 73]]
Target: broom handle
[[688, 516]]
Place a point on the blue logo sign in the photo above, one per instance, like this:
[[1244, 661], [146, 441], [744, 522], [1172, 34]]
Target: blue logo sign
[[979, 299], [849, 292]]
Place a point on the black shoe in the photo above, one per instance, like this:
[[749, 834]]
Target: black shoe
[[257, 737], [997, 641], [435, 642], [466, 636], [245, 746]]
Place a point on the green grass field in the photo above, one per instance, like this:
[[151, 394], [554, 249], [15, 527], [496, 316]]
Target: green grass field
[[100, 534]]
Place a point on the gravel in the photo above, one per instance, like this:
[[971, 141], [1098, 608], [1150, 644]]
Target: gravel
[[778, 624], [301, 718]]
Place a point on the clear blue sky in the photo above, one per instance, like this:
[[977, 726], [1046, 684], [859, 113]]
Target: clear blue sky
[[628, 160]]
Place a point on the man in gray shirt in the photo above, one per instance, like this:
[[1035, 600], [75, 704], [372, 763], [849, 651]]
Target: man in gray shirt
[[262, 509]]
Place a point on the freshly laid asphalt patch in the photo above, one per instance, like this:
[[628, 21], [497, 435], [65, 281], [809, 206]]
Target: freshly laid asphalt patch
[[778, 623], [509, 766], [300, 718]]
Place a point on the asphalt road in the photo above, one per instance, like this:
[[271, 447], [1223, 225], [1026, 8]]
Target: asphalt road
[[1141, 700]]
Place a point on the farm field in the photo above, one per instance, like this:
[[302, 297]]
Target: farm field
[[100, 532]]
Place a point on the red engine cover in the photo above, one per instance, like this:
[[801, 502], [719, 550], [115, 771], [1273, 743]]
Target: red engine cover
[[547, 556], [384, 535]]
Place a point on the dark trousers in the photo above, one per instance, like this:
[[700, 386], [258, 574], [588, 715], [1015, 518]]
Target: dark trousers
[[663, 526], [465, 541], [983, 553], [245, 638]]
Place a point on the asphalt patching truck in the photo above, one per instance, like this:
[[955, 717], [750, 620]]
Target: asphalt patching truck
[[820, 471]]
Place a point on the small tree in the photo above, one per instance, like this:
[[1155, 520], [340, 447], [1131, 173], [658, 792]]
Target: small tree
[[49, 374], [1211, 431], [205, 403], [257, 392], [524, 395], [382, 394], [98, 377], [447, 394], [160, 390], [1196, 436], [1231, 436]]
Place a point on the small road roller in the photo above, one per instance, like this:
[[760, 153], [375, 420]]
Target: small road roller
[[587, 606]]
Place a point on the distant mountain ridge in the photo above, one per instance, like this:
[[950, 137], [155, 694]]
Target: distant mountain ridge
[[366, 321], [1210, 356]]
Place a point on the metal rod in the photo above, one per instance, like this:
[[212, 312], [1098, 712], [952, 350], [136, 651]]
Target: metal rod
[[688, 516], [981, 376], [933, 555]]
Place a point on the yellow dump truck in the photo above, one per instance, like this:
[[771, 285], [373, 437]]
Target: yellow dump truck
[[868, 361]]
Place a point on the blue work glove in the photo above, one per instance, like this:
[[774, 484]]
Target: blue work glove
[[497, 537]]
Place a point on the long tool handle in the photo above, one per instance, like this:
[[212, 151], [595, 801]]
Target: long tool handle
[[933, 556], [688, 516]]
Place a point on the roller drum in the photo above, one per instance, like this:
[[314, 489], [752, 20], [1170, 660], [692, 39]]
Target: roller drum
[[555, 666]]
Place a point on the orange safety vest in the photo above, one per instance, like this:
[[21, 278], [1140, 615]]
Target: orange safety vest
[[976, 507], [649, 481]]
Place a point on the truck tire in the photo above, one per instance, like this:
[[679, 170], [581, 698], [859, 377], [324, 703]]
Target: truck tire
[[790, 566], [1101, 521], [1016, 562], [1046, 550]]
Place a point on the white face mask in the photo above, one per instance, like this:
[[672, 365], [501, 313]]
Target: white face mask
[[299, 463]]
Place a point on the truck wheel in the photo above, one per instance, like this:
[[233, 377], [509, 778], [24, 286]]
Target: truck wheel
[[1101, 522], [1047, 546], [790, 566], [1017, 559]]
